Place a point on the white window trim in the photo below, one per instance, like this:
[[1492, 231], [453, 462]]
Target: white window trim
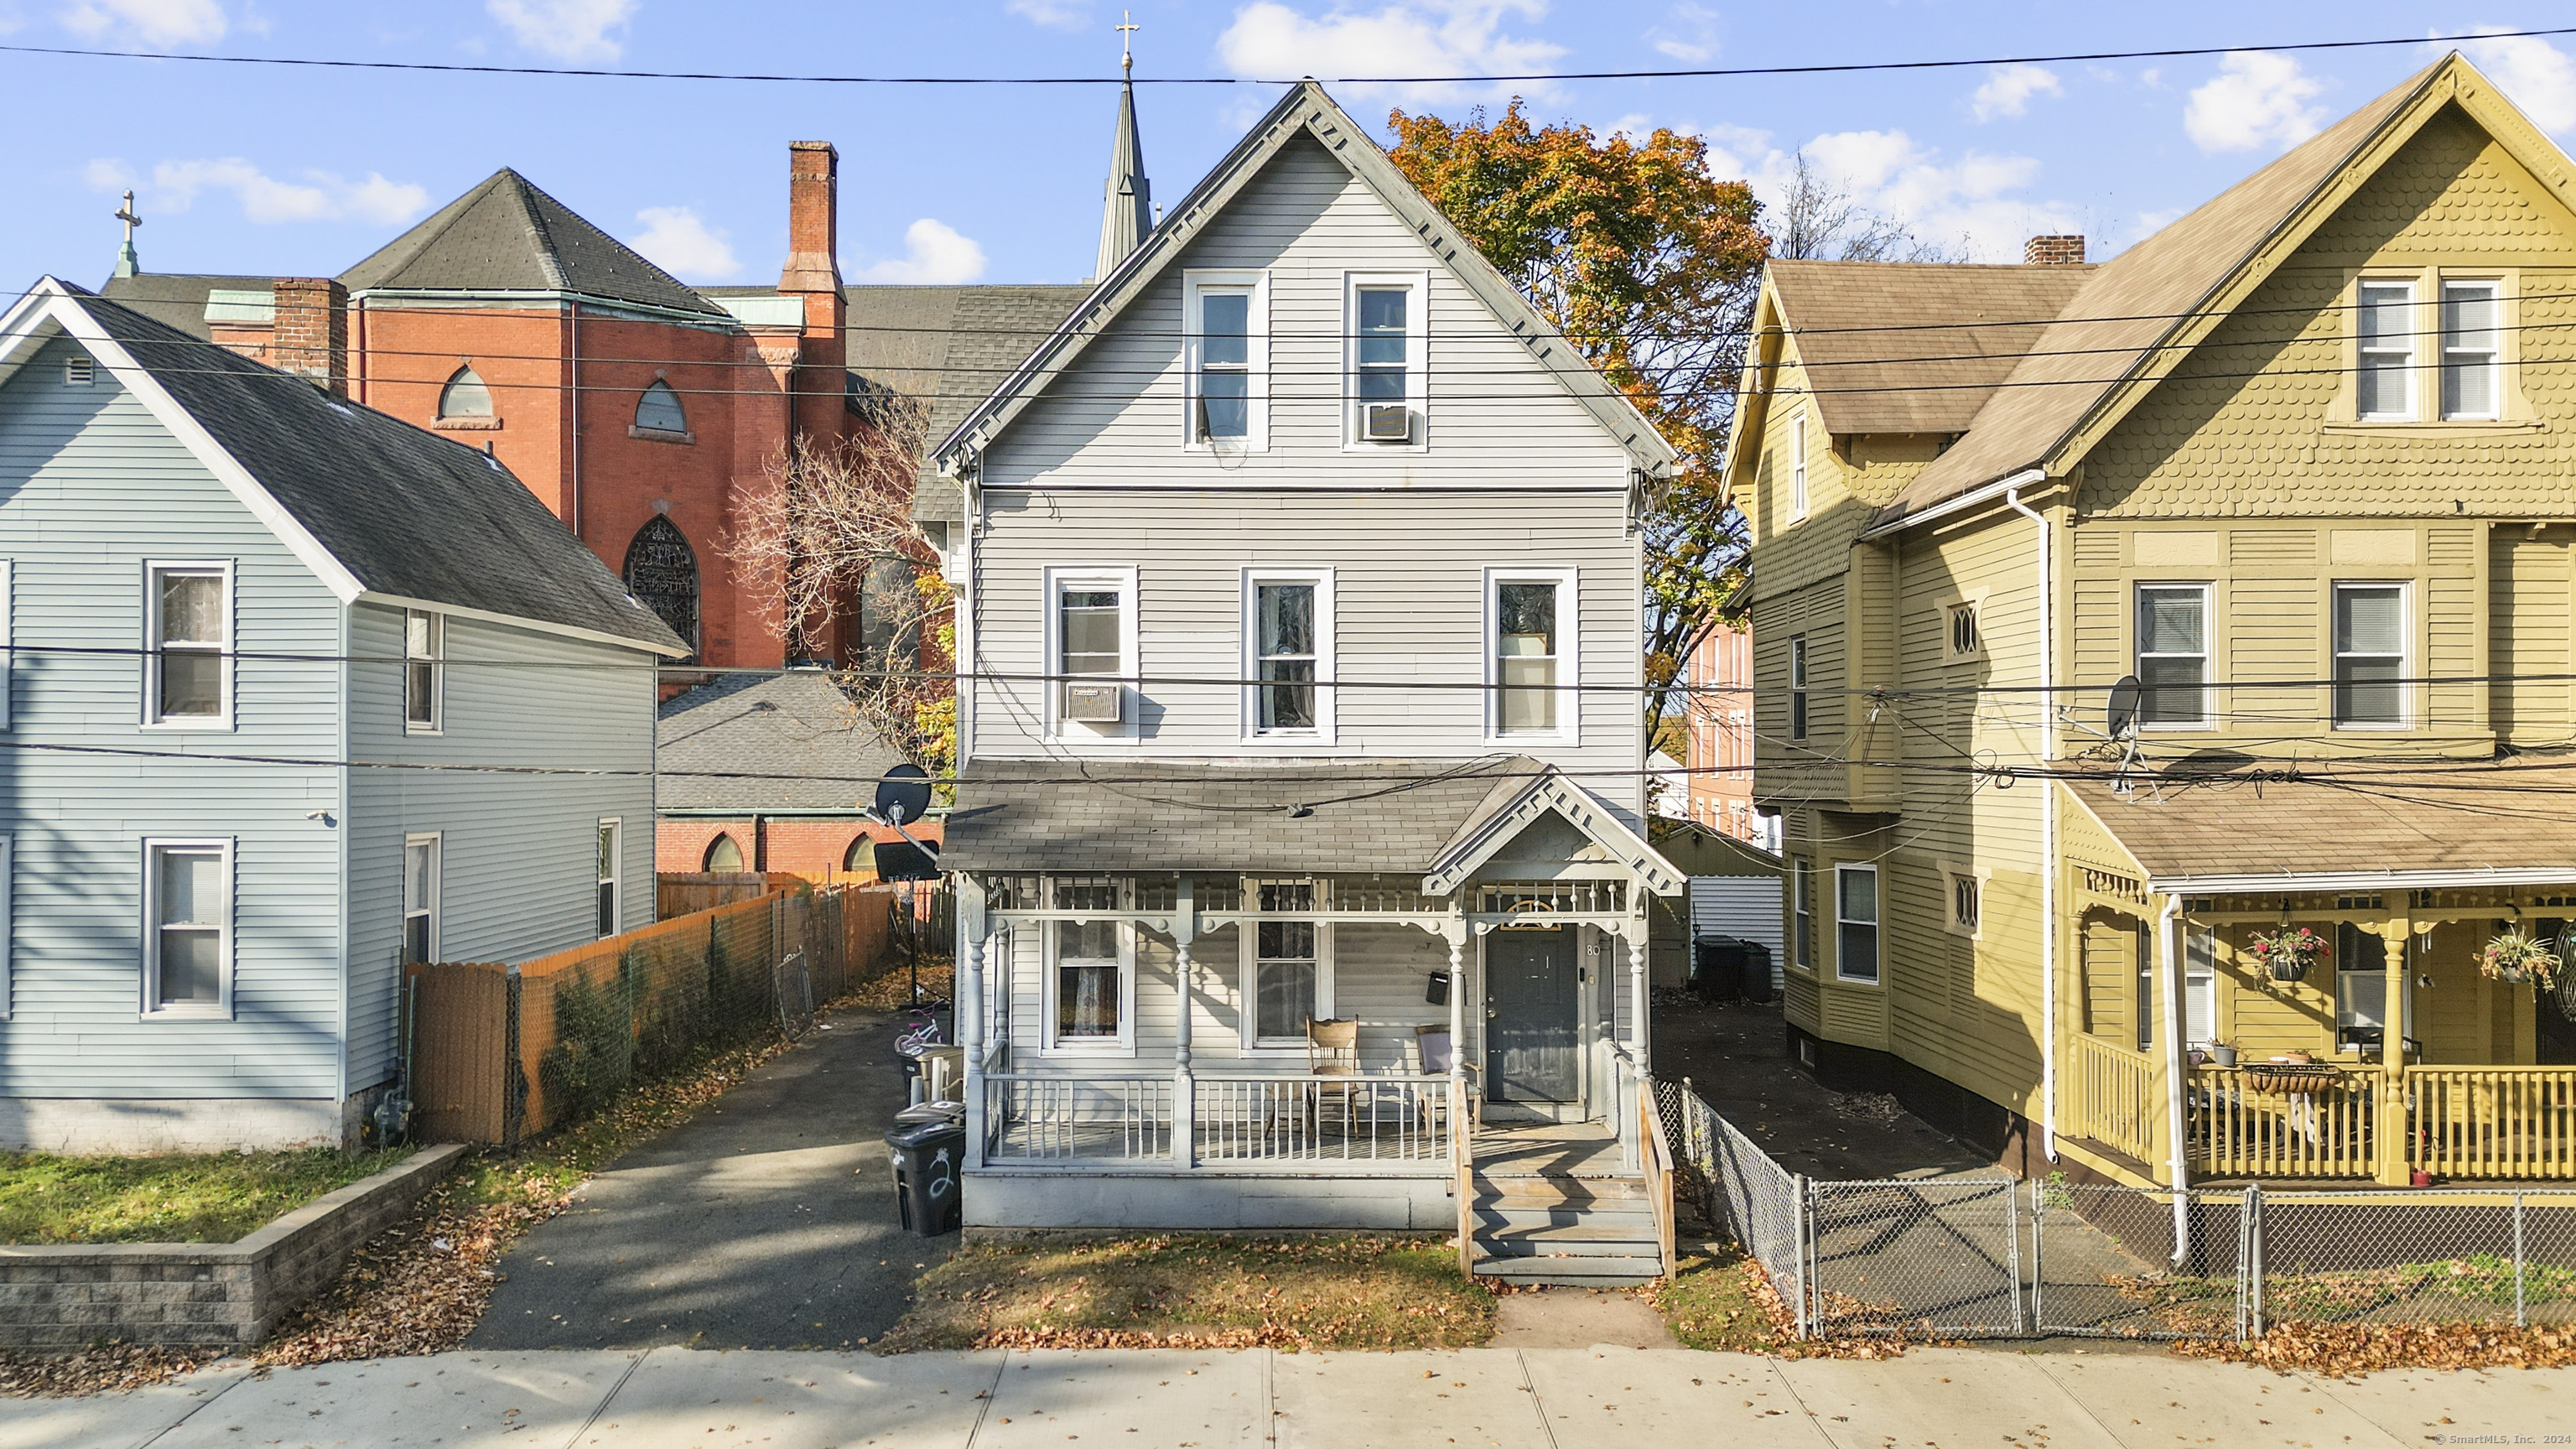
[[1877, 927], [2208, 652], [1569, 671], [153, 569], [1802, 902], [1250, 729], [2441, 350], [1949, 608], [1130, 714], [1256, 359], [1417, 354], [437, 659], [1951, 876], [2207, 976], [615, 882], [2413, 409], [151, 1008], [1248, 1018], [1798, 465], [8, 915], [1048, 984], [8, 678], [437, 842], [1801, 705], [2406, 651]]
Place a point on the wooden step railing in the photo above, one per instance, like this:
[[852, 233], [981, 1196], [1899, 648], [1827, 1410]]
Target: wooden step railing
[[2112, 1098]]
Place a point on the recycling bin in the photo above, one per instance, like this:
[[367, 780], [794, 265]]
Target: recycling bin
[[928, 1143]]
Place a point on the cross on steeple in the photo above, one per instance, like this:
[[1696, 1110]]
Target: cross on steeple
[[1127, 26], [127, 263]]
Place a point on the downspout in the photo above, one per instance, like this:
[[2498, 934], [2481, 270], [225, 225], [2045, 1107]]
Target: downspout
[[2047, 819], [2168, 984]]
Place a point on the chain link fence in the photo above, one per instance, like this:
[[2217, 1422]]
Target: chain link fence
[[1740, 1189], [2102, 1262], [1934, 1259], [2461, 1255]]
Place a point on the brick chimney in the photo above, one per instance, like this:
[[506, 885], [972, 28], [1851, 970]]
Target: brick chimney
[[813, 218], [2053, 251], [311, 338]]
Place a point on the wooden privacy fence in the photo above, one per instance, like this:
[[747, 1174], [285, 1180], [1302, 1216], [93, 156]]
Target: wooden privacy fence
[[684, 893], [505, 1052]]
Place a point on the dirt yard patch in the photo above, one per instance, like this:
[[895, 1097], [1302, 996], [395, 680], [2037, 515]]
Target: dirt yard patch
[[1173, 1292], [1737, 1057], [178, 1197]]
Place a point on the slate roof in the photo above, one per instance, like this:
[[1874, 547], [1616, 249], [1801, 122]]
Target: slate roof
[[1912, 347], [1381, 816], [766, 729], [178, 299], [2347, 817], [506, 235], [407, 512]]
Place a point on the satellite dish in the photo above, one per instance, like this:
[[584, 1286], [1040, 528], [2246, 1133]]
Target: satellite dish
[[903, 794], [2125, 698], [902, 860]]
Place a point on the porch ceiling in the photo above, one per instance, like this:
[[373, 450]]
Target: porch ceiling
[[2321, 825]]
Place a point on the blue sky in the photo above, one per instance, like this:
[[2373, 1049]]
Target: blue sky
[[290, 172]]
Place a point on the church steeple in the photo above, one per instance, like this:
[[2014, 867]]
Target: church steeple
[[1129, 212], [127, 263]]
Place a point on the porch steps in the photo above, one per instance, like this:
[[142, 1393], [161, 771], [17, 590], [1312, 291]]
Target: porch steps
[[1551, 1228]]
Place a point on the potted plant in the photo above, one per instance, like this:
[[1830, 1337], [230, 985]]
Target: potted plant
[[2517, 958], [2222, 1053], [2288, 952]]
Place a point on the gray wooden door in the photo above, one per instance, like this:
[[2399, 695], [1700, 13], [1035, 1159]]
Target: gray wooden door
[[1530, 999]]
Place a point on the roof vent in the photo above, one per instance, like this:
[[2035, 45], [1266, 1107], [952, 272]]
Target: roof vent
[[79, 370]]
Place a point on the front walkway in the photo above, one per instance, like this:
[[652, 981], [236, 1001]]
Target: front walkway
[[1500, 1398]]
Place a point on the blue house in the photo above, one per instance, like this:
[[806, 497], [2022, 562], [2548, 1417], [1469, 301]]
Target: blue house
[[294, 692]]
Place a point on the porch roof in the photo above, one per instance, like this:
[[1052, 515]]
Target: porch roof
[[2356, 824], [1374, 817]]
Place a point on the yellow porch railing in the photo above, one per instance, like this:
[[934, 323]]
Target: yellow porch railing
[[2113, 1098], [2245, 1122], [2493, 1122]]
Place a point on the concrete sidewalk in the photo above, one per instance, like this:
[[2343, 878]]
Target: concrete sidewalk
[[669, 1398]]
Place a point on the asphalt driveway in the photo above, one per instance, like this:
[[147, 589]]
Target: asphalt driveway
[[768, 1221]]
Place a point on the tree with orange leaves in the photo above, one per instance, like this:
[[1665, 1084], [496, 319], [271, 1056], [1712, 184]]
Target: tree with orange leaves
[[1647, 264]]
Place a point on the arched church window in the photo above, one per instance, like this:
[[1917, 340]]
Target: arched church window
[[861, 856], [724, 856], [659, 409], [662, 573], [465, 396]]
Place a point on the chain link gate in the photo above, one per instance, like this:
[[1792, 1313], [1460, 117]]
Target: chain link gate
[[1933, 1258]]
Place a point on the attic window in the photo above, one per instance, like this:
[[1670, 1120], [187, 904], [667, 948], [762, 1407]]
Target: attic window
[[659, 410], [79, 370], [465, 396]]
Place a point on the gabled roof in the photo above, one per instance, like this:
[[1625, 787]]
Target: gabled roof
[[1913, 347], [1304, 111], [507, 236], [178, 299], [2140, 313], [768, 742], [379, 509]]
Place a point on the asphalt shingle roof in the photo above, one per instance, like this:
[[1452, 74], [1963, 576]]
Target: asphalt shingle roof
[[1913, 347], [793, 739], [406, 511], [178, 299], [506, 235], [1377, 817]]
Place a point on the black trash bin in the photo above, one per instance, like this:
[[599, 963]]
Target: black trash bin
[[929, 1148]]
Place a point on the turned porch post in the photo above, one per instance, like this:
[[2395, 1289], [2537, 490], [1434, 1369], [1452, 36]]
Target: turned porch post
[[1185, 933], [970, 1012], [2392, 1134]]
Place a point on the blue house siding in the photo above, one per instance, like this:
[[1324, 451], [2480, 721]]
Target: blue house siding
[[91, 487]]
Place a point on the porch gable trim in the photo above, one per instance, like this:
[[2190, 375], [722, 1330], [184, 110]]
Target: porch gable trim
[[1482, 839]]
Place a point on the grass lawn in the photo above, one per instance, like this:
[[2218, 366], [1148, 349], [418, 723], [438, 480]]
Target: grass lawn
[[1722, 1301], [1305, 1293], [211, 1197]]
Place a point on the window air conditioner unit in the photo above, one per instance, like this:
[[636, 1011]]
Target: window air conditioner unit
[[1093, 703], [1388, 423]]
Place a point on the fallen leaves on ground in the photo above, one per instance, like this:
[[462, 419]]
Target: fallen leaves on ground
[[103, 1369], [893, 990], [1723, 1300], [2357, 1348]]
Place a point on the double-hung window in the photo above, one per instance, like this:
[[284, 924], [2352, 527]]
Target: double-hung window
[[1091, 645], [1530, 654], [611, 872], [1798, 686], [1291, 984], [2369, 656], [1089, 972], [2199, 986], [2142, 1010], [1802, 907], [1386, 357], [420, 898], [2173, 654], [424, 646], [2384, 387], [1226, 354], [2472, 350], [187, 671], [1288, 629], [187, 927], [1856, 923], [1797, 465]]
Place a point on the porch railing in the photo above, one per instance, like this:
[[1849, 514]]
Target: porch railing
[[1285, 1121], [2493, 1122], [2113, 1097], [2249, 1123]]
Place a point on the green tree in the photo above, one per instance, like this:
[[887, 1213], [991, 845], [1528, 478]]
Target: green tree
[[1648, 265]]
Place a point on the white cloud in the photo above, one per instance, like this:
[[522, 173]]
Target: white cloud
[[566, 29], [1055, 14], [933, 253], [154, 22], [1270, 41], [680, 243], [2535, 75], [1692, 38], [320, 196], [2007, 92], [1977, 202], [2256, 99]]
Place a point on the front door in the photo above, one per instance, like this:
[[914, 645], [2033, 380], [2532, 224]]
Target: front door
[[1530, 1008]]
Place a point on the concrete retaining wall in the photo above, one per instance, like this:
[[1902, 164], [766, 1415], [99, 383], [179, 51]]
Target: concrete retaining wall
[[224, 1295]]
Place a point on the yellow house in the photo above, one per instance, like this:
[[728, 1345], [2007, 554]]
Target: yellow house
[[2298, 467]]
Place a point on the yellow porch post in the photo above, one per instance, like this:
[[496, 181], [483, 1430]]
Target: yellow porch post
[[2391, 1133]]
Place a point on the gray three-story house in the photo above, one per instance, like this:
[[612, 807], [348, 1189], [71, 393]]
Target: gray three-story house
[[1301, 807], [295, 692]]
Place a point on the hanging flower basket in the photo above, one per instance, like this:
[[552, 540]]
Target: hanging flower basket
[[2518, 959], [2288, 952]]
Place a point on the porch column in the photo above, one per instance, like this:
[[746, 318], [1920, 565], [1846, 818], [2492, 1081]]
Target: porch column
[[1185, 933], [2391, 1133], [970, 1023], [1458, 1001]]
